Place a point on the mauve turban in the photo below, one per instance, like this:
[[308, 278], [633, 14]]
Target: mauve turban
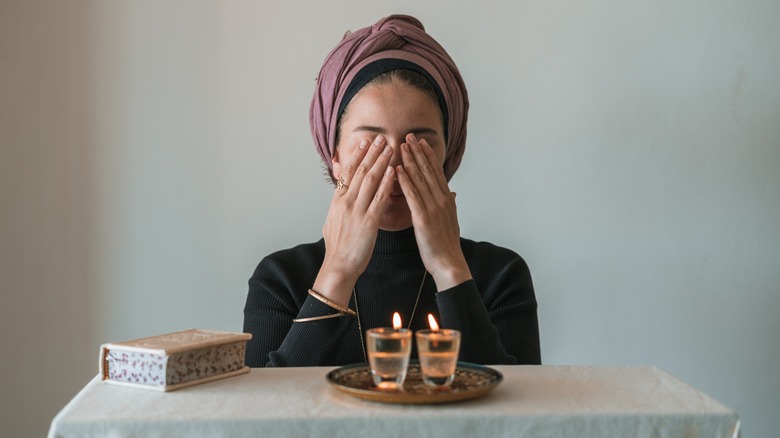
[[397, 37]]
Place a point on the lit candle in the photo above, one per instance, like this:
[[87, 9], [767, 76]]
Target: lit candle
[[434, 331], [432, 322], [388, 354], [438, 352], [396, 321]]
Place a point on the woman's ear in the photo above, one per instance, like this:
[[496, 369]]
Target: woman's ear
[[336, 164]]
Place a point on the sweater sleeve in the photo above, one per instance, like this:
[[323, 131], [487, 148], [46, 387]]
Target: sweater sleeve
[[277, 295], [495, 313]]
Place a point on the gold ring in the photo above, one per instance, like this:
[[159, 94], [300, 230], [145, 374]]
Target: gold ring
[[340, 185]]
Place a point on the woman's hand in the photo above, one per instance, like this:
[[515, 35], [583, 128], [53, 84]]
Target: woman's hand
[[434, 213], [352, 223]]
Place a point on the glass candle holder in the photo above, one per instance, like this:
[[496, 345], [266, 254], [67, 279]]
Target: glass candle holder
[[438, 351], [388, 356]]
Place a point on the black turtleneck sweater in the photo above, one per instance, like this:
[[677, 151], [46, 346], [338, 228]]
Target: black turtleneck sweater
[[495, 312]]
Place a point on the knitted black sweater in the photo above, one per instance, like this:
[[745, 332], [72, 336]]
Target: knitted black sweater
[[495, 312]]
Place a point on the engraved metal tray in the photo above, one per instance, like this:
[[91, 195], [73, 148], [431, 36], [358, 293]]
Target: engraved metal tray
[[470, 381]]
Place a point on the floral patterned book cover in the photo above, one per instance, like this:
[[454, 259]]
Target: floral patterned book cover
[[174, 360]]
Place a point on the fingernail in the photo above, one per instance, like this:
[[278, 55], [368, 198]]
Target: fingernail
[[387, 150], [378, 140], [363, 144], [389, 170], [412, 137]]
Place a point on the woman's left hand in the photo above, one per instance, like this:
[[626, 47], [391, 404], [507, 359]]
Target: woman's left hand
[[434, 213]]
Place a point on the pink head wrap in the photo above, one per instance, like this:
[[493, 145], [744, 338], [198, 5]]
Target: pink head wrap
[[395, 37]]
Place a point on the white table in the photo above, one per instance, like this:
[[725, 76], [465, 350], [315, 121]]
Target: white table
[[560, 401]]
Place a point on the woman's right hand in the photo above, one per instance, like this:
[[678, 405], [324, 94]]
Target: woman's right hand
[[352, 223]]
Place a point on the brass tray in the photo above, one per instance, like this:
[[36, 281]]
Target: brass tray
[[470, 381]]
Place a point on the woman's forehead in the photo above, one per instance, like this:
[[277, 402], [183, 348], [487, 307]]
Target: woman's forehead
[[395, 103]]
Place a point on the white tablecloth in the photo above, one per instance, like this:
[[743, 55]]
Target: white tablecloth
[[532, 401]]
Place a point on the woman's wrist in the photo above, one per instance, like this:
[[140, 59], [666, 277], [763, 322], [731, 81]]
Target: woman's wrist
[[334, 285], [342, 310], [450, 276]]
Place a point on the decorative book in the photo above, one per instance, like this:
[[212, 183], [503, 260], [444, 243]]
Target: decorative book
[[174, 360]]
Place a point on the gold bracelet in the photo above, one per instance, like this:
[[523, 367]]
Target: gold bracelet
[[317, 318], [344, 310]]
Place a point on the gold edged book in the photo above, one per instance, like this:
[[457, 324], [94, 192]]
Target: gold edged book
[[174, 360]]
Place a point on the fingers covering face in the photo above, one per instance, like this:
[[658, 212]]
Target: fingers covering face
[[367, 176], [423, 167], [348, 169]]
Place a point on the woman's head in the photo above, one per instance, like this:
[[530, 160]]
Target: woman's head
[[388, 109], [394, 52]]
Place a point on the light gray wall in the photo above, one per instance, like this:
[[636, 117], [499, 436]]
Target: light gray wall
[[153, 152]]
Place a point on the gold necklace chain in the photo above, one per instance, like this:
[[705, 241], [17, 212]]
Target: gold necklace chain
[[411, 318]]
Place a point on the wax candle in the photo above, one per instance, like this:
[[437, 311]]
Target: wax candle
[[438, 350], [388, 354]]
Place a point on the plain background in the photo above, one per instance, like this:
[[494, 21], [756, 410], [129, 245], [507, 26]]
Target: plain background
[[154, 151]]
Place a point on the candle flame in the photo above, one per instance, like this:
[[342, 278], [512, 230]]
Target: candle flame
[[432, 322], [396, 321]]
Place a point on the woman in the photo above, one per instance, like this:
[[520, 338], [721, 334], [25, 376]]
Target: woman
[[389, 120]]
